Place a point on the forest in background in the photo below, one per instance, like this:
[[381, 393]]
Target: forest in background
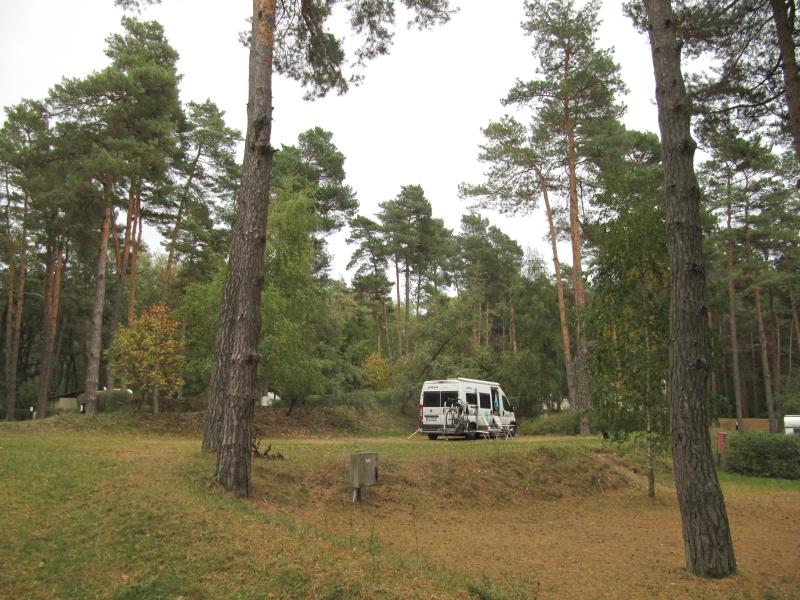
[[87, 303]]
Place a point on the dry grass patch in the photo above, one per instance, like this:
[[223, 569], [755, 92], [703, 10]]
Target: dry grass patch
[[126, 517]]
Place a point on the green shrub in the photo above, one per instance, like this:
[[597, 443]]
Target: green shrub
[[760, 454], [565, 422], [113, 400]]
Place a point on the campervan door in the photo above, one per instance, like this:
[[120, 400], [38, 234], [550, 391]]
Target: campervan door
[[484, 406], [505, 411], [492, 402]]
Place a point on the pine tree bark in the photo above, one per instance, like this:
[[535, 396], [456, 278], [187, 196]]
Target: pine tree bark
[[775, 334], [94, 343], [378, 326], [791, 75], [407, 315], [755, 409], [134, 268], [173, 240], [10, 384], [156, 395], [240, 322], [706, 532], [512, 334], [765, 362], [581, 365], [562, 304], [121, 262], [16, 297], [737, 374], [399, 324], [386, 330], [52, 301], [487, 325]]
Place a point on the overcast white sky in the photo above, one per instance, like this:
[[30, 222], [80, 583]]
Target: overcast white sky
[[416, 119]]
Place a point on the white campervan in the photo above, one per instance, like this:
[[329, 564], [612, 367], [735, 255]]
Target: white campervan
[[468, 407]]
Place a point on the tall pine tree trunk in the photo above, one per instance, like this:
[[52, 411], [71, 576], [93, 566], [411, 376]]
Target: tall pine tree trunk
[[240, 322], [775, 334], [52, 300], [581, 346], [134, 268], [386, 329], [399, 323], [791, 346], [94, 343], [765, 366], [581, 349], [476, 326], [512, 325], [417, 295], [487, 325], [10, 382], [755, 408], [407, 313], [562, 303], [16, 297], [781, 9], [737, 374], [706, 532], [122, 261], [173, 240]]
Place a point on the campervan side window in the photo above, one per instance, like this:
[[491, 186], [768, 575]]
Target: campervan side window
[[430, 399], [506, 405], [485, 401], [449, 398], [472, 399]]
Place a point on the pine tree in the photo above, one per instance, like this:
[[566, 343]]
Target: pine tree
[[293, 40], [124, 120], [524, 165], [706, 532], [574, 95], [24, 145]]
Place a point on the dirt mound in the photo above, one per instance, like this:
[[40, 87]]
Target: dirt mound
[[540, 474], [324, 421], [331, 420], [169, 424]]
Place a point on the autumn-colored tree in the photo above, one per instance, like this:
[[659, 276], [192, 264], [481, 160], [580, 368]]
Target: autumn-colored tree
[[377, 371], [149, 353]]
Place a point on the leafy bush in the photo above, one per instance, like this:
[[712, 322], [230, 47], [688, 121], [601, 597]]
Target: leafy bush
[[760, 454], [377, 371], [113, 400], [565, 422]]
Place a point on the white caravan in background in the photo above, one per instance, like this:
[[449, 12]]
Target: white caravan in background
[[468, 407]]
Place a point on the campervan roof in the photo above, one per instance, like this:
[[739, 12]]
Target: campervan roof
[[464, 379]]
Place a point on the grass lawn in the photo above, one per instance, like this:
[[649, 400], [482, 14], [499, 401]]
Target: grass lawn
[[88, 513]]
